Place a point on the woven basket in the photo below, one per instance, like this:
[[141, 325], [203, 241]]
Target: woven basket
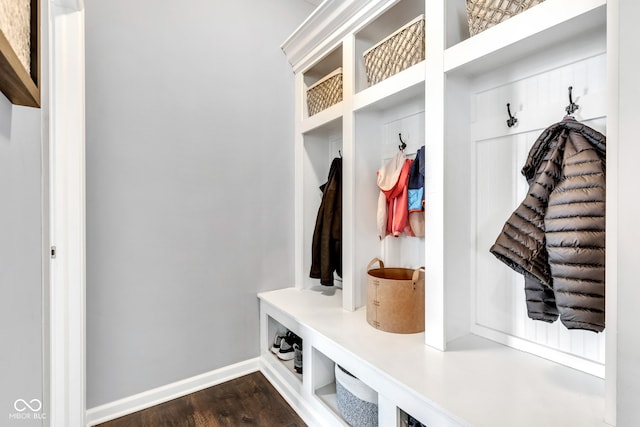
[[483, 14], [325, 92], [399, 51], [395, 298]]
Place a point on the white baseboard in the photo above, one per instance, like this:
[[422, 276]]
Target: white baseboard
[[147, 399]]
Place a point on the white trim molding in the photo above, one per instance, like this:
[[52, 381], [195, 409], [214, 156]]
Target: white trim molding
[[156, 396], [66, 321], [327, 25]]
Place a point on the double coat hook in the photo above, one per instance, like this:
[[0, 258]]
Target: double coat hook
[[572, 107], [402, 145], [512, 120]]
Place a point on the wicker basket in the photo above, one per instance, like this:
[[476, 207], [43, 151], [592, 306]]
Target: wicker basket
[[325, 92], [483, 14], [399, 51], [395, 298]]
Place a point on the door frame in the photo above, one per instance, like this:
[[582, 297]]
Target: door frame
[[64, 215]]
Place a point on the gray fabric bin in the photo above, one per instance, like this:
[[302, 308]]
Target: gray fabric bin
[[357, 402]]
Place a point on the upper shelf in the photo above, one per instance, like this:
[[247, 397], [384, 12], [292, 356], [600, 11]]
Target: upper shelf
[[393, 90], [323, 118], [546, 24]]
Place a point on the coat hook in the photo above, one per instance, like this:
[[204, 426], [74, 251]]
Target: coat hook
[[572, 106], [403, 145], [340, 153], [512, 120]]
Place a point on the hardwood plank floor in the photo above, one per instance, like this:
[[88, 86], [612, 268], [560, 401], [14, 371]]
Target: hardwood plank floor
[[246, 401]]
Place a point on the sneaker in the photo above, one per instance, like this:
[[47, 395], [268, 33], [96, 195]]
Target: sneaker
[[297, 358], [286, 351], [275, 348]]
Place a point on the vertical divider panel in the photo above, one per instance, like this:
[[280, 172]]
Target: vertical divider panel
[[367, 149], [387, 411], [299, 182], [611, 274], [434, 176], [350, 291]]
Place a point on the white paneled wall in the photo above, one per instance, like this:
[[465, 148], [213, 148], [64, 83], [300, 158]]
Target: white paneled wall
[[498, 298], [403, 251]]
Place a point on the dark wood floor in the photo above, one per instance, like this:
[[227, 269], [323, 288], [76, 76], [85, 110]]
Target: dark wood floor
[[246, 401]]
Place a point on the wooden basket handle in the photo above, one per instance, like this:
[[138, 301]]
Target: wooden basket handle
[[416, 274], [373, 261]]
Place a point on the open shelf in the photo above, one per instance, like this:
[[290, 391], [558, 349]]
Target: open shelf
[[284, 367], [381, 27], [324, 383], [323, 121], [393, 91], [544, 25]]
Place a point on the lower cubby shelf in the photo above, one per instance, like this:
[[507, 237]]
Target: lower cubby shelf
[[324, 381], [476, 382], [327, 394], [284, 368]]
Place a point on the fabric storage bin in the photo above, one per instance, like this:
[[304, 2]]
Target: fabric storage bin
[[402, 49], [357, 402], [325, 92], [395, 298], [483, 14]]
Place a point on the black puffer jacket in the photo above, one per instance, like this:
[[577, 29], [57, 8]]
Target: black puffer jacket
[[556, 237]]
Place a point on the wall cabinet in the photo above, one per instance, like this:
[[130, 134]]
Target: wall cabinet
[[480, 361]]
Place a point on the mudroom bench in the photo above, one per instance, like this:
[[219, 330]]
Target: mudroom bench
[[476, 382]]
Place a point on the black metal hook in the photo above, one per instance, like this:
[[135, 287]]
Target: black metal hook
[[512, 120], [403, 145], [572, 107]]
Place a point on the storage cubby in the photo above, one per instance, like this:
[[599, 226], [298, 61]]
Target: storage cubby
[[379, 29], [482, 180], [378, 132], [324, 382], [319, 147], [273, 328], [324, 67]]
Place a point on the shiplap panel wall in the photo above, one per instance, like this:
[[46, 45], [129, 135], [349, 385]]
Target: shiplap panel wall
[[499, 309], [404, 251]]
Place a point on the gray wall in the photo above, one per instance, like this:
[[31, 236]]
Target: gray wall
[[189, 184], [20, 263]]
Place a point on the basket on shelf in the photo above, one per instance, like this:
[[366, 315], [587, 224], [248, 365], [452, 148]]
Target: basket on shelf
[[483, 14], [325, 92], [357, 402], [395, 298], [402, 49]]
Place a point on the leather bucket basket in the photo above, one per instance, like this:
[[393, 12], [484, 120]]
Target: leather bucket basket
[[395, 298]]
